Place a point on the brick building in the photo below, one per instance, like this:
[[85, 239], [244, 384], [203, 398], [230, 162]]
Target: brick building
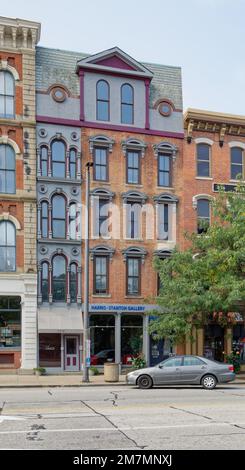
[[214, 149], [18, 280], [126, 118]]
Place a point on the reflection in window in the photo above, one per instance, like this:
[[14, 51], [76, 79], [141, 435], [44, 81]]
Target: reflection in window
[[7, 94], [127, 104], [10, 322], [102, 100], [50, 350], [236, 163], [59, 279], [100, 164], [7, 246], [164, 170], [131, 337], [163, 221], [58, 157], [203, 160], [203, 215], [7, 169], [102, 333], [101, 274], [73, 282], [133, 167], [58, 217], [133, 276], [44, 281], [73, 163]]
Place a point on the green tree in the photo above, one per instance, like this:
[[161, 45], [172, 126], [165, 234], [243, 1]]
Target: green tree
[[208, 279]]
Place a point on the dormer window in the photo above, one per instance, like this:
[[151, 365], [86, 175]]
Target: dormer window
[[127, 104], [103, 101]]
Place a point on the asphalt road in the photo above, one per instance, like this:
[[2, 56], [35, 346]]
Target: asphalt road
[[123, 417]]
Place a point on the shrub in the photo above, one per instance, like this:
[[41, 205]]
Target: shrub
[[234, 358], [139, 362], [94, 370]]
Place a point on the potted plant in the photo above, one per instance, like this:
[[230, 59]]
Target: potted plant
[[93, 371], [39, 370], [139, 362]]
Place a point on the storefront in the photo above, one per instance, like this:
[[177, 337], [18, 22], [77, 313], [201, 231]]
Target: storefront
[[59, 352], [10, 331]]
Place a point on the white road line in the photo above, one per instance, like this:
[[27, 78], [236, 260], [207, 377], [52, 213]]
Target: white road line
[[10, 418], [125, 428]]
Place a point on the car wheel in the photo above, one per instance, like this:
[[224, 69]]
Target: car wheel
[[209, 382], [144, 381]]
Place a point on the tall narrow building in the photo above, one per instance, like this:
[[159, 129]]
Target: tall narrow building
[[18, 278]]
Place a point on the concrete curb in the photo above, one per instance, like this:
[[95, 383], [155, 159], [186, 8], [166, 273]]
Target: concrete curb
[[111, 384]]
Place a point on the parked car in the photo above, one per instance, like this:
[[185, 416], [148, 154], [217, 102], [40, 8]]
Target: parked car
[[182, 370], [106, 355]]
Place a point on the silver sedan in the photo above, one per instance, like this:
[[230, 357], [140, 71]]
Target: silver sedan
[[183, 370]]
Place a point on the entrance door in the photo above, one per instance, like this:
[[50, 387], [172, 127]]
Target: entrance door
[[71, 353]]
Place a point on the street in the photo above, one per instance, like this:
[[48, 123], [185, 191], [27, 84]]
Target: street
[[123, 418]]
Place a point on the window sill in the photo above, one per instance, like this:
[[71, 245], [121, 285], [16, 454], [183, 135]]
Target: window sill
[[204, 178], [104, 296], [134, 297], [135, 185], [134, 239], [101, 182], [234, 182], [165, 187]]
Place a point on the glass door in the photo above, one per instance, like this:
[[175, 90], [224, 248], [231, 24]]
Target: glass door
[[71, 353]]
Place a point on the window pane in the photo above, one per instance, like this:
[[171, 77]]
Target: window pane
[[193, 361], [10, 234], [59, 229], [127, 114], [203, 208], [236, 155], [59, 278], [103, 110], [58, 151], [9, 83], [173, 362], [59, 207], [203, 152], [164, 162], [203, 169], [10, 182], [100, 156], [10, 158], [127, 94], [236, 171], [59, 170], [50, 350], [2, 108], [9, 106], [2, 182], [102, 90], [164, 179], [2, 91]]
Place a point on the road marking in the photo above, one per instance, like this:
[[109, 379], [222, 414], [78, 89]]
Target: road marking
[[125, 428], [10, 418]]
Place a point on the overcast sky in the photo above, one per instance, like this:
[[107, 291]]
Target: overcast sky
[[205, 37]]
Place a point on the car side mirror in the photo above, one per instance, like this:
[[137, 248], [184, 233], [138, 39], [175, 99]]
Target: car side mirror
[[160, 366]]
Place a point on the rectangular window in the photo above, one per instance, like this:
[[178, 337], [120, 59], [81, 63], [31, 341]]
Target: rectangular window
[[133, 167], [10, 322], [50, 350], [236, 163], [164, 170], [203, 160], [101, 275], [163, 221], [133, 223], [133, 276], [100, 164], [103, 217]]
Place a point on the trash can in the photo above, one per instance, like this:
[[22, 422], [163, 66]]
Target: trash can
[[111, 372]]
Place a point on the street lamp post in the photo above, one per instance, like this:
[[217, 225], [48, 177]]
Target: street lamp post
[[86, 334]]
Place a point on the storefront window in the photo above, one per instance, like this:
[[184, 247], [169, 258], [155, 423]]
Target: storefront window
[[131, 337], [49, 350], [10, 322], [214, 342], [238, 342], [102, 334]]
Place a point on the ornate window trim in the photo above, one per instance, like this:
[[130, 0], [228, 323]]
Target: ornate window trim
[[165, 198], [134, 196], [101, 250], [166, 148], [201, 196], [203, 140], [163, 254], [236, 143], [134, 252], [135, 145], [4, 66], [8, 217], [100, 141], [102, 194], [5, 140]]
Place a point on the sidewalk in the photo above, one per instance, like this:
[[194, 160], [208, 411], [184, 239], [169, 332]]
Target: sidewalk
[[55, 381], [19, 381]]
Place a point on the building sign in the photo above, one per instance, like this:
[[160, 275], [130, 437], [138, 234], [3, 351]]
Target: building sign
[[120, 308]]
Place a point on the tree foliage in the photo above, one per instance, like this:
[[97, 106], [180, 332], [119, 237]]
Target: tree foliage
[[208, 279]]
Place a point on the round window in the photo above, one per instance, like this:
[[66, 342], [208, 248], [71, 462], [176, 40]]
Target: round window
[[165, 108], [58, 94]]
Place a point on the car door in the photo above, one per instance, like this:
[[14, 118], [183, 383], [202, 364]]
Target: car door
[[168, 372], [193, 369]]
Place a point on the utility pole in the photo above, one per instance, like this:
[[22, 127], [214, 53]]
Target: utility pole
[[86, 334]]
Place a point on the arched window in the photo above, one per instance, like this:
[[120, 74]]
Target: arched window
[[44, 219], [103, 100], [44, 160], [72, 221], [73, 282], [58, 216], [7, 246], [73, 163], [237, 169], [7, 169], [59, 279], [58, 157], [203, 215], [7, 94], [203, 160], [127, 104], [44, 281]]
